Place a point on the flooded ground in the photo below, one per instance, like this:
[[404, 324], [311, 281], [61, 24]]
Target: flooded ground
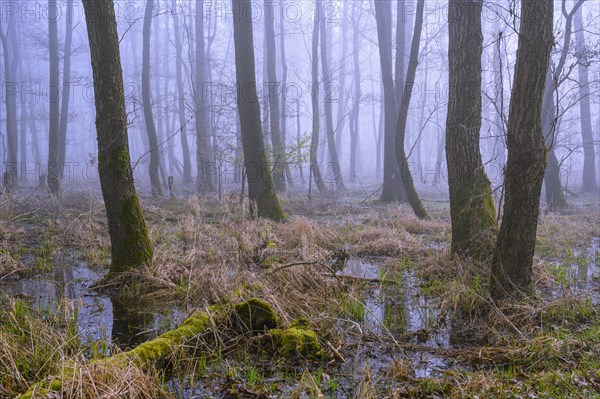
[[381, 322], [99, 317]]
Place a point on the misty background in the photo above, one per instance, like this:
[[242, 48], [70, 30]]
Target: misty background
[[358, 109]]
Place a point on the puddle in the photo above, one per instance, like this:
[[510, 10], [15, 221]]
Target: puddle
[[578, 270], [99, 317], [398, 309]]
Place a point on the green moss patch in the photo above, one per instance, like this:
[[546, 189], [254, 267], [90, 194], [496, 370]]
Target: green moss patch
[[297, 340], [256, 315]]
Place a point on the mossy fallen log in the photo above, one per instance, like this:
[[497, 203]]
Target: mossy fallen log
[[153, 353], [253, 315]]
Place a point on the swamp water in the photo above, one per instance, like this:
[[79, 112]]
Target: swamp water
[[99, 317], [397, 322]]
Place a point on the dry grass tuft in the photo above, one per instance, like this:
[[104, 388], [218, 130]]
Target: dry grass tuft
[[95, 380], [33, 345], [384, 241]]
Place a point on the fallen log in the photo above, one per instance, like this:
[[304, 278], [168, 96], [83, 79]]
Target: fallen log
[[156, 353]]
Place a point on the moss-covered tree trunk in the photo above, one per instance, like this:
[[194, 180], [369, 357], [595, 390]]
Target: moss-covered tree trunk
[[147, 101], [471, 202], [513, 257], [260, 184], [130, 244], [405, 174], [279, 158], [315, 170]]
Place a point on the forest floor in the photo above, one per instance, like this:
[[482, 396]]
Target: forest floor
[[395, 315]]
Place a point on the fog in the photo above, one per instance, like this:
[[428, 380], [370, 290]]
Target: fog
[[351, 28]]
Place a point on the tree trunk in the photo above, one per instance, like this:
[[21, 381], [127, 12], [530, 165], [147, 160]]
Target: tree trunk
[[499, 153], [334, 162], [471, 204], [407, 180], [342, 97], [24, 119], [11, 60], [299, 142], [54, 98], [284, 80], [555, 196], [187, 164], [157, 102], [279, 159], [400, 49], [513, 257], [66, 90], [130, 244], [589, 183], [260, 184], [147, 102], [354, 116], [204, 180], [440, 157], [32, 118], [393, 187], [316, 115], [137, 76]]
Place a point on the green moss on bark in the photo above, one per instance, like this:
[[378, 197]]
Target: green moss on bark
[[136, 248], [474, 225], [154, 353]]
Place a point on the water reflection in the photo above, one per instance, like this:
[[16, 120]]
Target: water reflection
[[398, 307], [99, 317]]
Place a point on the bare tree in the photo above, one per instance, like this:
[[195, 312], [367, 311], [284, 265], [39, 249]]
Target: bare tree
[[407, 180], [130, 244], [11, 62], [555, 196], [54, 138], [393, 188], [205, 176], [513, 257], [187, 164], [316, 125], [471, 203], [589, 183], [147, 101], [284, 81], [264, 202], [279, 159], [66, 90], [327, 103], [354, 115]]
